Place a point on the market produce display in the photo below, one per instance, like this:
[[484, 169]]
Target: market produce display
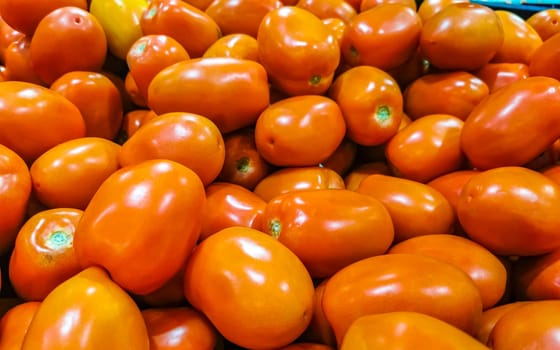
[[279, 175]]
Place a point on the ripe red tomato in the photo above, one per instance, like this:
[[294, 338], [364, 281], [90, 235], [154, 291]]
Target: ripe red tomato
[[142, 223], [241, 46], [255, 270], [337, 27], [7, 36], [491, 316], [323, 9], [545, 58], [17, 60], [534, 277], [14, 324], [520, 39], [360, 172], [306, 346], [451, 184], [343, 158], [546, 22], [497, 75]]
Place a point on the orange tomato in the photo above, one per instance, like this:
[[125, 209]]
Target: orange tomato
[[371, 103], [97, 98], [14, 324], [369, 4], [343, 158], [401, 282], [360, 172], [103, 317], [497, 75], [43, 255], [329, 229], [319, 329], [241, 46], [169, 295], [29, 109], [385, 36], [413, 68], [7, 36], [142, 223], [69, 174], [61, 34], [546, 22], [416, 209], [306, 346], [131, 89], [298, 51], [231, 92], [297, 178], [132, 121], [179, 328], [543, 62], [427, 148], [200, 4], [286, 128], [323, 9], [520, 39], [255, 270], [451, 184], [534, 277], [429, 8], [337, 27], [490, 317], [18, 65], [511, 211], [406, 330]]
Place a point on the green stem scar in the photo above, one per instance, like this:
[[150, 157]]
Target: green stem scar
[[151, 12], [353, 51], [58, 240], [316, 79], [275, 228], [383, 114], [242, 165]]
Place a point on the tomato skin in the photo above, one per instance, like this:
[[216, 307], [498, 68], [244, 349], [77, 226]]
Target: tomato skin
[[496, 209], [534, 278], [451, 184], [68, 175], [497, 75], [7, 36], [133, 92], [425, 211], [306, 346], [337, 27], [104, 316], [384, 36], [520, 39], [297, 69], [217, 88], [258, 268], [544, 60], [18, 64], [491, 316], [186, 138], [350, 227], [353, 179], [546, 22], [297, 178], [498, 132], [285, 128], [369, 4], [15, 191], [29, 109], [329, 9], [241, 46], [429, 8], [319, 330], [14, 324], [406, 330], [485, 269], [230, 205], [343, 158], [179, 328], [400, 282], [427, 148], [461, 36], [371, 103], [455, 93], [153, 209]]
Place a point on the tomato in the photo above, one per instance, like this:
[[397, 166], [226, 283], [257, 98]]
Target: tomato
[[25, 15], [553, 173], [61, 34], [235, 46], [142, 223], [337, 27], [97, 98], [490, 317], [451, 184], [132, 91], [342, 160], [319, 330], [546, 22], [228, 205], [149, 55], [43, 255], [406, 330], [231, 92], [240, 16], [200, 4], [169, 295], [498, 131], [520, 39], [298, 51], [306, 346], [385, 36], [545, 58], [429, 8], [180, 327], [485, 269], [132, 121], [329, 229], [15, 191], [29, 109], [353, 179], [534, 278], [429, 147], [329, 8], [248, 268], [413, 68], [68, 175], [497, 75], [284, 130], [371, 103], [7, 36], [512, 332], [103, 317], [369, 4], [243, 164], [18, 64], [416, 209], [497, 209], [14, 324], [401, 282], [455, 93], [297, 178], [462, 36], [190, 26]]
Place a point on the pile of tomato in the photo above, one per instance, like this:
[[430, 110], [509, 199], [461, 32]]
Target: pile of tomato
[[278, 175]]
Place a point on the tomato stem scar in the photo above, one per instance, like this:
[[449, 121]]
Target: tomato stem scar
[[242, 164], [316, 79], [275, 227], [383, 113], [353, 51], [59, 239]]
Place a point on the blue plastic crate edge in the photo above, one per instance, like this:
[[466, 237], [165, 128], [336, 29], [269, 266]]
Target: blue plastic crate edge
[[529, 6]]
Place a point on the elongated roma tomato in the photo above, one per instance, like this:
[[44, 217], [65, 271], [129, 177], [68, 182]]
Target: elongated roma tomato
[[513, 125], [497, 75], [241, 46], [256, 270], [451, 184], [401, 282], [546, 22], [298, 51], [406, 330], [491, 316], [103, 317], [497, 209], [142, 224], [231, 92], [29, 109], [534, 277], [14, 324], [329, 229], [545, 58], [520, 39], [324, 9]]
